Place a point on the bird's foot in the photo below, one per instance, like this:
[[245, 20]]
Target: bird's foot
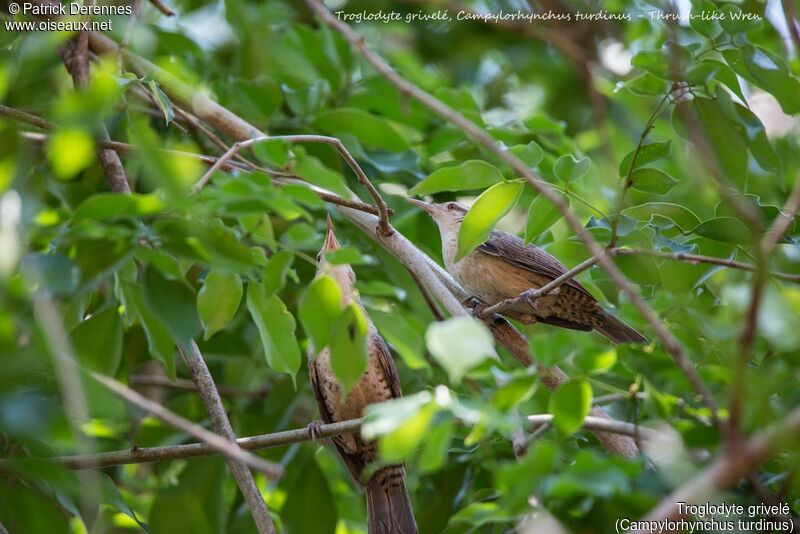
[[314, 428], [531, 298], [474, 304]]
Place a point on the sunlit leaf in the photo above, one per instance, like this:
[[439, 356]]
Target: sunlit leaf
[[218, 300], [570, 404], [472, 174], [276, 328], [459, 344], [489, 208], [348, 346]]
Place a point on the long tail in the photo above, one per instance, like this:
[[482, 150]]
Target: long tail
[[388, 506], [617, 331]]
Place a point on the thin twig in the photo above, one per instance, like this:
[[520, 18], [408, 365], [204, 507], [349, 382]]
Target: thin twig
[[628, 181], [23, 116], [214, 441], [696, 258], [188, 385], [384, 226], [159, 5], [671, 343], [137, 455]]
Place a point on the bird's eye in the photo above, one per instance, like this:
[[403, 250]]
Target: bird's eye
[[451, 206], [319, 257]]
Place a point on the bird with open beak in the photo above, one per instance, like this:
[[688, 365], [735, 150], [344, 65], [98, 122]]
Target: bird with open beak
[[388, 506], [503, 267]]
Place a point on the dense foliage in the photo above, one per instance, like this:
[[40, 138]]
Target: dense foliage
[[694, 122]]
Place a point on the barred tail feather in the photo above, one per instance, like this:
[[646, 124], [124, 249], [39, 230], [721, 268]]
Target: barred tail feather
[[617, 331], [388, 506]]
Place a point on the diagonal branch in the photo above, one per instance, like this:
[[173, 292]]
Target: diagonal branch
[[188, 385], [214, 441], [480, 136]]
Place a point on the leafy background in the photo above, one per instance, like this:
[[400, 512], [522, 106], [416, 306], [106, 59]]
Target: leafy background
[[230, 266]]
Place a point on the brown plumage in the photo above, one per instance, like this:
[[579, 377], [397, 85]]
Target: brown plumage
[[388, 506], [504, 267]]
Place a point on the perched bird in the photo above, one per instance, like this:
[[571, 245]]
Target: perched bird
[[504, 267], [388, 506]]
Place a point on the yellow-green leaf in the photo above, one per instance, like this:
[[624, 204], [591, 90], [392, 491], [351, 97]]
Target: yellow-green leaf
[[218, 300], [490, 207]]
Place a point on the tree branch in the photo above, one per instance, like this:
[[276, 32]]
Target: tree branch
[[480, 136], [137, 455], [215, 441]]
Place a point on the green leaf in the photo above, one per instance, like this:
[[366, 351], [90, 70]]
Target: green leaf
[[596, 362], [195, 503], [725, 229], [647, 85], [174, 303], [98, 342], [652, 181], [312, 170], [163, 102], [437, 442], [70, 151], [570, 404], [55, 272], [725, 75], [639, 268], [403, 336], [274, 275], [489, 208], [159, 340], [682, 216], [371, 130], [459, 344], [348, 346], [104, 206], [647, 154], [568, 168], [348, 256], [310, 505], [653, 62], [276, 328], [472, 174], [768, 72], [272, 152], [542, 214], [530, 154], [403, 441], [721, 133], [318, 309], [218, 300]]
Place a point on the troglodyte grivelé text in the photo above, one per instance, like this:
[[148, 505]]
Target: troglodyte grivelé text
[[503, 267], [388, 506]]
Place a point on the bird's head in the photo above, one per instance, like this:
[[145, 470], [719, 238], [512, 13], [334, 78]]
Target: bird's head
[[342, 273], [447, 215]]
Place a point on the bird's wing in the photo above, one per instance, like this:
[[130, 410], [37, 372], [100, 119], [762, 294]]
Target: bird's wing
[[354, 462], [512, 249], [387, 365]]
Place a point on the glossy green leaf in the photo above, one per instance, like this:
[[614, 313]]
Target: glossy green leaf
[[472, 174], [648, 153], [348, 346], [652, 181], [174, 303], [104, 206], [218, 300], [768, 72], [725, 229], [97, 341], [276, 328], [459, 344], [489, 208], [162, 101], [568, 168], [530, 154], [542, 214], [570, 404], [319, 308], [371, 130], [275, 272]]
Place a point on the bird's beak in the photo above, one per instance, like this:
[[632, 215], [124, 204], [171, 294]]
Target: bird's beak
[[330, 243], [422, 205]]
